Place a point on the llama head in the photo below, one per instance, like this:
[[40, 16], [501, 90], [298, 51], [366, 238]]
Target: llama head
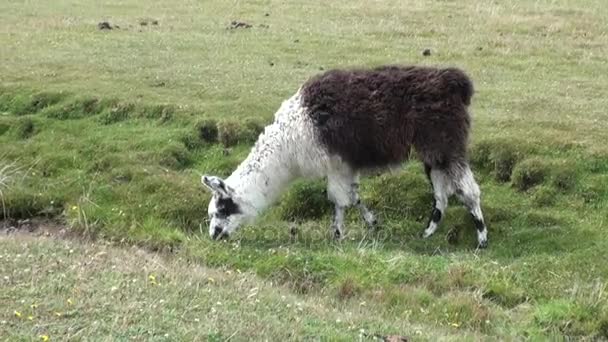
[[226, 210]]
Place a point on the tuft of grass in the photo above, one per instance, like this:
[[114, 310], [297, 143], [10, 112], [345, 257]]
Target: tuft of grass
[[162, 112], [462, 310], [544, 196], [116, 113], [564, 175], [4, 127], [529, 173], [407, 195], [25, 104], [207, 130], [231, 132], [77, 108], [561, 317], [8, 173], [347, 289], [503, 292], [253, 128], [498, 156], [25, 128], [305, 201], [175, 156]]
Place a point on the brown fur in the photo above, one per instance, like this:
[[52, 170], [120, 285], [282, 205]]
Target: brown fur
[[372, 118]]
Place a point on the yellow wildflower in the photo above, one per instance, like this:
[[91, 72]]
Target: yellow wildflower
[[70, 301], [58, 314], [30, 318], [44, 338], [17, 314], [455, 325]]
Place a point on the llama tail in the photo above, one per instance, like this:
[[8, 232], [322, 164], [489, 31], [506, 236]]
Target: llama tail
[[459, 83]]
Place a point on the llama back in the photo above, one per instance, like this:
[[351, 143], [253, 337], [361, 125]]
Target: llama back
[[372, 118]]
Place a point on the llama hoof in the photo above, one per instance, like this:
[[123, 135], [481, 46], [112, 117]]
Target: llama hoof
[[338, 235], [483, 244], [373, 224], [426, 233], [293, 230]]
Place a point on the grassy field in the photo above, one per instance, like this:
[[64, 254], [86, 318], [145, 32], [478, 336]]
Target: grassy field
[[108, 132]]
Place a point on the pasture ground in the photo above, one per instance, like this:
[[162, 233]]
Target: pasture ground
[[108, 132]]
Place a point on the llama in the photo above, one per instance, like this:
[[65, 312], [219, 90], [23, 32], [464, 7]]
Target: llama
[[342, 123]]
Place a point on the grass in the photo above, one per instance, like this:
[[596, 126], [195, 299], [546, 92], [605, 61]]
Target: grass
[[110, 131], [67, 289]]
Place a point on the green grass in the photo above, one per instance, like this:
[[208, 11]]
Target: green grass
[[109, 131]]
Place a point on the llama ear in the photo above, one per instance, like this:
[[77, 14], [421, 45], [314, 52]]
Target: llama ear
[[217, 185]]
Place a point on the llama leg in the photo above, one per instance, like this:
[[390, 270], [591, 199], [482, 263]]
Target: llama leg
[[339, 192], [442, 189], [337, 226], [469, 194], [368, 216]]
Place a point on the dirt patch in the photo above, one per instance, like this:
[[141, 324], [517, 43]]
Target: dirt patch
[[235, 24], [32, 227], [146, 21], [104, 25]]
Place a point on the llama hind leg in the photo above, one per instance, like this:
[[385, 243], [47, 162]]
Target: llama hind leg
[[442, 190], [467, 190], [368, 216], [339, 193]]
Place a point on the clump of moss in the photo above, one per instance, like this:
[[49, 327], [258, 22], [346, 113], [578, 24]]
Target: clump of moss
[[305, 201], [529, 173]]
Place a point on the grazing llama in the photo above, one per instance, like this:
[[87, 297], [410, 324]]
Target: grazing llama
[[344, 122]]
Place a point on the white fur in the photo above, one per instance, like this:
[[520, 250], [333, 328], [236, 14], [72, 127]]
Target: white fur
[[287, 149]]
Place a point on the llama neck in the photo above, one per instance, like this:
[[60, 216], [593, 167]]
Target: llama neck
[[261, 178]]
